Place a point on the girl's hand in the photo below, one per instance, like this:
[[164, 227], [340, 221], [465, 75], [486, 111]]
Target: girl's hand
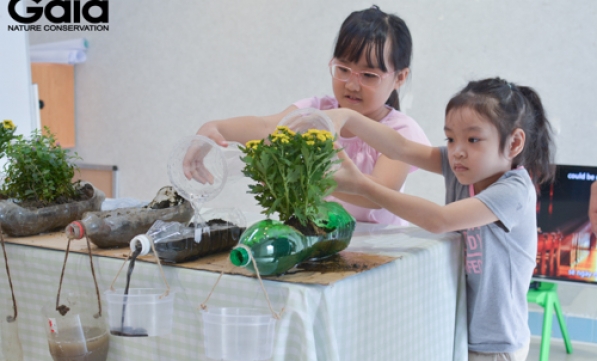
[[348, 176], [338, 117], [211, 131], [193, 165]]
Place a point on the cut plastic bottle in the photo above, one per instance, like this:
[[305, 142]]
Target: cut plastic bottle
[[277, 247], [176, 242]]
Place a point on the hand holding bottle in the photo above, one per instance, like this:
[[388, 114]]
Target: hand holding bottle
[[193, 163]]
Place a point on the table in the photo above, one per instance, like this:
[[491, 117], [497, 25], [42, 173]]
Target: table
[[412, 308]]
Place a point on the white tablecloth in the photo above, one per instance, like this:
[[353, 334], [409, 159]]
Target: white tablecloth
[[410, 309]]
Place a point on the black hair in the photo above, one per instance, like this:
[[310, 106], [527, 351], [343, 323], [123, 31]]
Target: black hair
[[367, 31], [509, 106]]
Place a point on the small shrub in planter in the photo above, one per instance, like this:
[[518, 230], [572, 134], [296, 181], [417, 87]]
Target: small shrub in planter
[[294, 174], [38, 194]]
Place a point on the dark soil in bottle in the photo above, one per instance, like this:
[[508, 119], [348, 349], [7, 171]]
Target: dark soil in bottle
[[221, 237], [129, 331], [308, 229]]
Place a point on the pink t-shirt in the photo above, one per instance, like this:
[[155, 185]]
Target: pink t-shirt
[[364, 156]]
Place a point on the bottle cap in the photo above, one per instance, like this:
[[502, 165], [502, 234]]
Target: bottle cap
[[144, 241], [239, 256], [75, 230]]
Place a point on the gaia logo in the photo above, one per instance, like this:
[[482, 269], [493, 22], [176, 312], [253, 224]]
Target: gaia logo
[[61, 12]]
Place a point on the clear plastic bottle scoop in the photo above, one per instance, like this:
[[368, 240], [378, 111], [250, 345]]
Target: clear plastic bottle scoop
[[198, 168]]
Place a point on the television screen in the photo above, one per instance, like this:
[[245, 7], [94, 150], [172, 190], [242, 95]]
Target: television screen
[[566, 247]]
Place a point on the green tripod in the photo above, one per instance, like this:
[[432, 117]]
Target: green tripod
[[546, 296]]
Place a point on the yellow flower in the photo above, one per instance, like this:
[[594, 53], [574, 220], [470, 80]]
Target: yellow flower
[[8, 124], [283, 130], [310, 142], [327, 134], [253, 144], [321, 137], [281, 137]]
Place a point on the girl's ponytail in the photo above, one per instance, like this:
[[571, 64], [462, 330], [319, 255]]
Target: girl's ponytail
[[538, 156], [393, 100]]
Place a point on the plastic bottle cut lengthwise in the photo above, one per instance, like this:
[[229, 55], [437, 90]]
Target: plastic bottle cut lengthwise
[[175, 242], [277, 247], [117, 227]]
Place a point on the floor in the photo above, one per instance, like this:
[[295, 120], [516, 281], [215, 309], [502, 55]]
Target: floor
[[580, 351]]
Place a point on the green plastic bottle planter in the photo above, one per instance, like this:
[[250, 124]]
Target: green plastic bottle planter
[[277, 247]]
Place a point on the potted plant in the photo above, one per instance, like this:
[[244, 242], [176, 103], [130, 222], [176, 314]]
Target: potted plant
[[38, 194], [294, 174]]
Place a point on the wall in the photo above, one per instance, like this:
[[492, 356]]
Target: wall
[[164, 68], [16, 94]]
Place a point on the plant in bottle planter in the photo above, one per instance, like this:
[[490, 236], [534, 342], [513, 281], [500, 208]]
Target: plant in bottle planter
[[293, 174], [38, 191]]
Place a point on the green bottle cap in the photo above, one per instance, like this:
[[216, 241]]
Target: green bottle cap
[[239, 257]]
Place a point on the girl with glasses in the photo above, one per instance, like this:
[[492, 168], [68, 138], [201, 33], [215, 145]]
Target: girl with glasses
[[370, 63], [499, 146]]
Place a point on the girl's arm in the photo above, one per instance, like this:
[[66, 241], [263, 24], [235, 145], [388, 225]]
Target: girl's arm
[[242, 129], [391, 144], [459, 215], [239, 129], [388, 173]]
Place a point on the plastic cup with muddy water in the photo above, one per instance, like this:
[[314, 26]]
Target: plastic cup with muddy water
[[143, 312], [78, 335], [238, 334]]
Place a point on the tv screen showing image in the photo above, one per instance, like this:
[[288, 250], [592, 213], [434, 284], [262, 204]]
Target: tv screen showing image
[[566, 247]]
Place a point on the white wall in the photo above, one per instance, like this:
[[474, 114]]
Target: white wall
[[164, 68], [16, 96]]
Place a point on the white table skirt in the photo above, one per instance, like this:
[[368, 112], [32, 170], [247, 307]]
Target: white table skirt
[[410, 309]]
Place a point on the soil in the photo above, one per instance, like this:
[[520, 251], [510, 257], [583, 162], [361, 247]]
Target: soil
[[335, 263], [308, 230], [222, 237], [84, 193]]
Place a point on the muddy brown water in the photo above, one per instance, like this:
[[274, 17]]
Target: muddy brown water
[[67, 346], [129, 331]]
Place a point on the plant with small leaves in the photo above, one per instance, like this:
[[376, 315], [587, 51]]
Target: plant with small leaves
[[38, 169], [293, 172], [7, 131]]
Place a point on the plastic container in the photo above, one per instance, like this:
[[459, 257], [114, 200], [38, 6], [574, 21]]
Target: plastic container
[[301, 120], [277, 247], [147, 312], [17, 221], [115, 228], [238, 334], [174, 242], [79, 335]]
